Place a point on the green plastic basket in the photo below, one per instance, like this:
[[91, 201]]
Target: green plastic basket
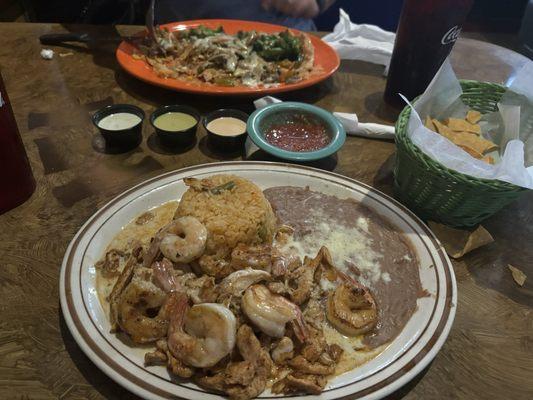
[[440, 194]]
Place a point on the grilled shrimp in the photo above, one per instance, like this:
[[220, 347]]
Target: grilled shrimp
[[183, 240], [237, 282], [351, 309], [270, 312], [142, 309], [202, 335]]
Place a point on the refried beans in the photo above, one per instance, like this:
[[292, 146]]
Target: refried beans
[[362, 244]]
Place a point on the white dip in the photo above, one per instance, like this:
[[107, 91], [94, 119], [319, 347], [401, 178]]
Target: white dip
[[119, 121]]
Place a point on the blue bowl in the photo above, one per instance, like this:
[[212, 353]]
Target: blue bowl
[[277, 112]]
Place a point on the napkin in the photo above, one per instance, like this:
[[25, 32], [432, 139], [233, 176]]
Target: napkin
[[361, 41]]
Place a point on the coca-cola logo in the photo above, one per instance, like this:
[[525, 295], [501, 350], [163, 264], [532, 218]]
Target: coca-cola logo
[[452, 35]]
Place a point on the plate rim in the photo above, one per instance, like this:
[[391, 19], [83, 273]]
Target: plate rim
[[425, 354], [124, 59]]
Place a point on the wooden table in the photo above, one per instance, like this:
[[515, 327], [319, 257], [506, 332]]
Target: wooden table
[[489, 353]]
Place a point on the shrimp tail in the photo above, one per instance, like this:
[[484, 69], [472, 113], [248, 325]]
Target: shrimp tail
[[164, 277], [300, 328], [153, 250], [361, 289], [178, 304], [178, 341], [279, 266], [326, 266], [348, 279]]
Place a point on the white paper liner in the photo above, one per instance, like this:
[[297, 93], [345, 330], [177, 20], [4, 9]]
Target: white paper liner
[[510, 127]]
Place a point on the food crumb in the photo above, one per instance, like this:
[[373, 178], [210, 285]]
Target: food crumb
[[458, 242], [518, 276], [47, 54]]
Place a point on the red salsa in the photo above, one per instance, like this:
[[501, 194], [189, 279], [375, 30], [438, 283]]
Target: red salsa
[[300, 133]]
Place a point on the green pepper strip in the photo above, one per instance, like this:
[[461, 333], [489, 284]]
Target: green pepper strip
[[225, 186]]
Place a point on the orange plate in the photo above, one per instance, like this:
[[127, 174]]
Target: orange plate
[[325, 57]]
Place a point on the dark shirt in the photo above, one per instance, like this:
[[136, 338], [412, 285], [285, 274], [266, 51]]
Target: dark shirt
[[182, 10]]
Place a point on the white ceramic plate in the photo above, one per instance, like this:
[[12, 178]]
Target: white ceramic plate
[[406, 356]]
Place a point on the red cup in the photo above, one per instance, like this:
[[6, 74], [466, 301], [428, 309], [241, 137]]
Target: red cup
[[16, 179]]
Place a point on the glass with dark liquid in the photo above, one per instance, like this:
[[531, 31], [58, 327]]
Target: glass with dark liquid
[[426, 34], [16, 178]]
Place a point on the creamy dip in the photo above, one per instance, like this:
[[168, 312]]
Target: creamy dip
[[227, 126], [119, 121], [175, 121]]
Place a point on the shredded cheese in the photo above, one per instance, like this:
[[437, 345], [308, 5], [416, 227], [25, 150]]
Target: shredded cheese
[[346, 244]]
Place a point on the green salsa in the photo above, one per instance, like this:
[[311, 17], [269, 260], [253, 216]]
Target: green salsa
[[175, 121]]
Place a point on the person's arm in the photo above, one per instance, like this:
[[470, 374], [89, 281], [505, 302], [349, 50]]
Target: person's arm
[[298, 8]]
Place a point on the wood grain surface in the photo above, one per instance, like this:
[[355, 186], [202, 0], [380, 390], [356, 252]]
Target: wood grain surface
[[489, 353]]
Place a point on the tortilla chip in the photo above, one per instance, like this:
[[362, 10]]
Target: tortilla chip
[[465, 135], [442, 129], [458, 242], [518, 276], [460, 125], [476, 143], [488, 160], [429, 124], [473, 116], [472, 152]]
